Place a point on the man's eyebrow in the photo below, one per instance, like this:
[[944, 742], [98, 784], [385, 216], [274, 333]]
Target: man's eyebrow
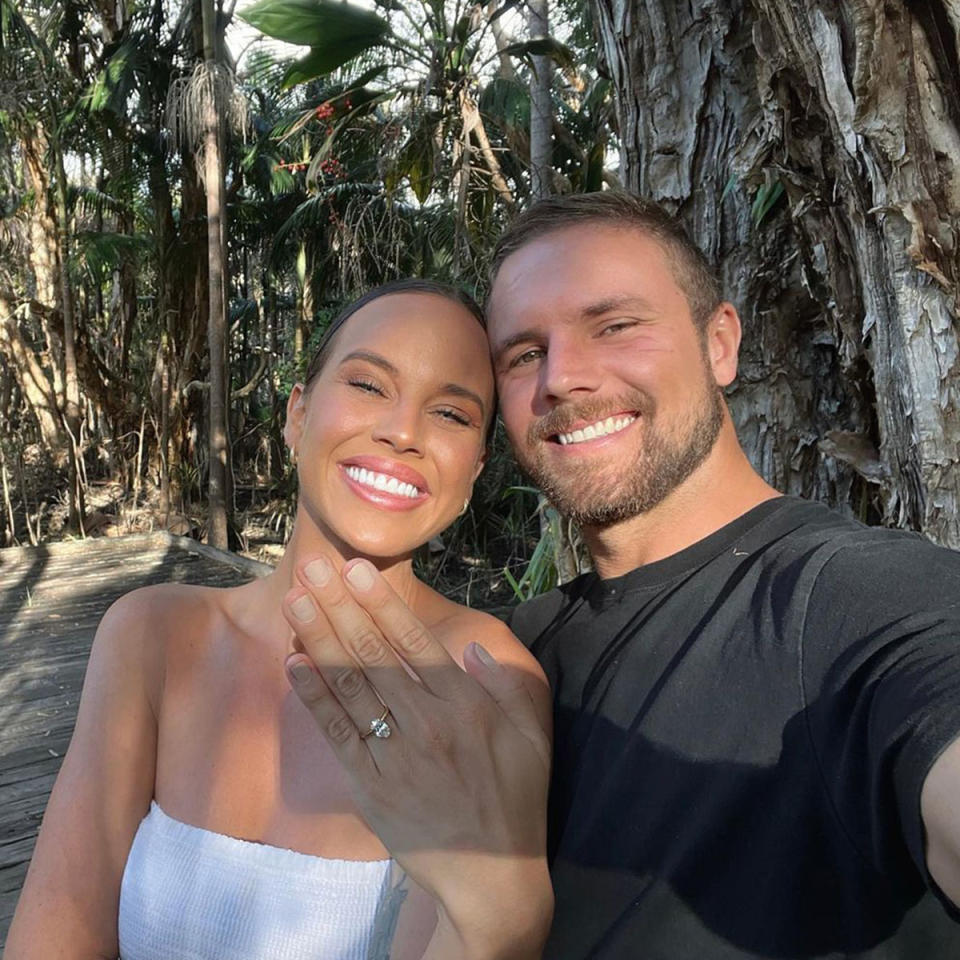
[[600, 307], [524, 336], [371, 357]]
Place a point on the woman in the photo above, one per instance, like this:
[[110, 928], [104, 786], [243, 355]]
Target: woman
[[198, 812]]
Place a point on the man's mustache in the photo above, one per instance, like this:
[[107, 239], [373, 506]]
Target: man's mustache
[[566, 417]]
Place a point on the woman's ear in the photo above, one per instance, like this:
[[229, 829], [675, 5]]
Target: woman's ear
[[296, 410], [481, 463], [723, 343]]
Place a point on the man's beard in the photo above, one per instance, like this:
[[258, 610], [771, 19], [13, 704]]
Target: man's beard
[[600, 495]]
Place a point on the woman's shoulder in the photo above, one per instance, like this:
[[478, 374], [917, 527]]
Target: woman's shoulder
[[460, 626], [464, 626], [148, 624], [154, 630], [148, 610]]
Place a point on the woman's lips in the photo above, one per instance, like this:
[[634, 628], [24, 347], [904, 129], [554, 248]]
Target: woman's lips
[[387, 483]]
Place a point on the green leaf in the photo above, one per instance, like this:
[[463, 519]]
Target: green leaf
[[417, 159], [100, 253], [765, 200], [542, 47], [323, 60], [507, 101], [592, 168], [729, 187], [335, 32]]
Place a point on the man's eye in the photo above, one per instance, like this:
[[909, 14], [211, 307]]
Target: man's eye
[[617, 327], [528, 356]]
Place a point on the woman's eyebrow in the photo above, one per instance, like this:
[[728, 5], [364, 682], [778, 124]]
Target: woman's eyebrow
[[459, 391], [373, 358]]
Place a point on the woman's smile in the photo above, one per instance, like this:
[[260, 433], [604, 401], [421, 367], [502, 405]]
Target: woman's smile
[[386, 483]]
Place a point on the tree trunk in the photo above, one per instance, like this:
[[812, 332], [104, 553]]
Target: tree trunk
[[34, 383], [541, 106], [72, 413], [217, 529], [811, 149], [42, 226]]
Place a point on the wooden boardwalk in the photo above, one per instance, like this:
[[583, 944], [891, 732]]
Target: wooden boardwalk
[[51, 599]]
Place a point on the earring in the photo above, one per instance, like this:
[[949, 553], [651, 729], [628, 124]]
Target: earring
[[465, 507], [293, 457]]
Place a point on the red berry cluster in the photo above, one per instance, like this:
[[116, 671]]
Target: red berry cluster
[[332, 167], [324, 111]]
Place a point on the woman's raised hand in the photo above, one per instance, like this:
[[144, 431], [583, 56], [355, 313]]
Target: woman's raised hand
[[453, 779]]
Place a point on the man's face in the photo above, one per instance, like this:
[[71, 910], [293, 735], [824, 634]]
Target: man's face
[[606, 387]]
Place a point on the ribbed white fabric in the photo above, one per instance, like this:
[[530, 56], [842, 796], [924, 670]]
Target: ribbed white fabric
[[191, 894]]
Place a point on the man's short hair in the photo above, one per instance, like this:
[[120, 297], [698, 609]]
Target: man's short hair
[[691, 269]]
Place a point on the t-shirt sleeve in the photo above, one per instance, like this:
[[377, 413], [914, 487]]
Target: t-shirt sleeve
[[881, 684], [532, 617]]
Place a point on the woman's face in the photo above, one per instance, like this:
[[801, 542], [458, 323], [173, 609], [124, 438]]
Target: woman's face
[[390, 435]]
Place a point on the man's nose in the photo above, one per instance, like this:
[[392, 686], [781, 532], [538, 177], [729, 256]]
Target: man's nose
[[400, 428], [567, 372]]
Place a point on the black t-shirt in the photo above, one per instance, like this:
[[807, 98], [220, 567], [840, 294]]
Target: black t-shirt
[[742, 733]]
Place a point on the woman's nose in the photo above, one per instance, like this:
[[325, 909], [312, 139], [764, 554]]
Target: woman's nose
[[400, 429]]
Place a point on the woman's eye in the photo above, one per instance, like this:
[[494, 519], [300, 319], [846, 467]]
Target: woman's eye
[[368, 386], [454, 416]]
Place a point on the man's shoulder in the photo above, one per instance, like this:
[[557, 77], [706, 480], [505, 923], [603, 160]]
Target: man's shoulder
[[851, 580], [891, 568], [811, 528], [532, 617]]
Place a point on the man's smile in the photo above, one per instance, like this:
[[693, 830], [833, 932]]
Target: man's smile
[[600, 428]]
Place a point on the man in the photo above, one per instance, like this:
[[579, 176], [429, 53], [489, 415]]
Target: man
[[757, 702]]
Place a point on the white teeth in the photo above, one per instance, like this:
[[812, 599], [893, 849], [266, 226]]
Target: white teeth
[[382, 481], [601, 428]]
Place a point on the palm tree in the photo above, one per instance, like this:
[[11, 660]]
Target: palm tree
[[195, 106]]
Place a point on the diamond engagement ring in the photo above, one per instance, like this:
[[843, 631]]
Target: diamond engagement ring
[[379, 727]]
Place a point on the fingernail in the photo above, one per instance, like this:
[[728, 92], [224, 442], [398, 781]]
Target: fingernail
[[361, 575], [301, 673], [484, 656], [303, 609], [318, 571]]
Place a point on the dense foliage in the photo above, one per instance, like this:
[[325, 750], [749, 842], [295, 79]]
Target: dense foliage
[[396, 144]]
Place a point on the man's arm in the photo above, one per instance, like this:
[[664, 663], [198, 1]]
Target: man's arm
[[940, 809]]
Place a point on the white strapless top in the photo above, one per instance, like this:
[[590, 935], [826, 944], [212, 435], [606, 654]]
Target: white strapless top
[[191, 894]]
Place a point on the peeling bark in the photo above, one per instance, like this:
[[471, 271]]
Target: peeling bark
[[848, 285], [33, 380]]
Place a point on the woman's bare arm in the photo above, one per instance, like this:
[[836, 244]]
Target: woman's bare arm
[[69, 903]]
